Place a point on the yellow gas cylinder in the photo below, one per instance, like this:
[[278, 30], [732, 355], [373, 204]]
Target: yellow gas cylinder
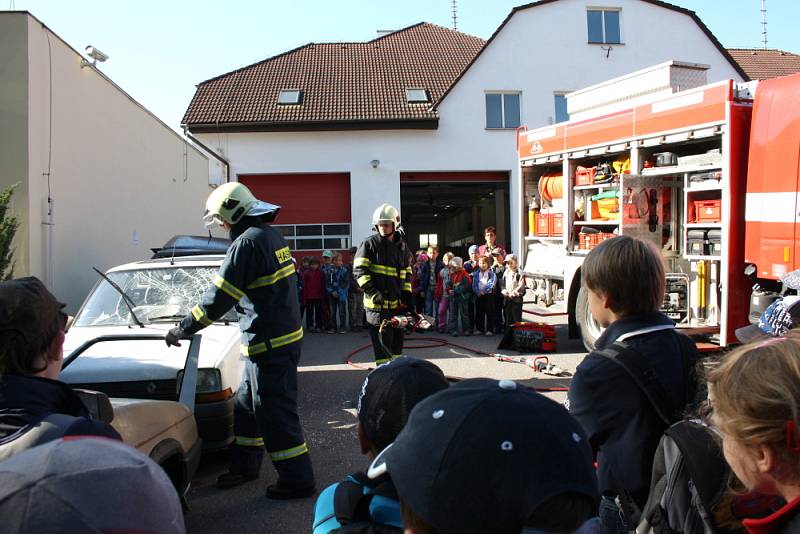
[[533, 209]]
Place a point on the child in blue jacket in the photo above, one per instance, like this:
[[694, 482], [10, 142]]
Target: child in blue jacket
[[483, 284], [337, 284]]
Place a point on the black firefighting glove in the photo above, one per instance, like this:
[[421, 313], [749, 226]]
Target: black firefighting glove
[[377, 299], [174, 335], [408, 300]]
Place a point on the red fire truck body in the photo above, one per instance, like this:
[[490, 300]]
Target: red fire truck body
[[671, 168]]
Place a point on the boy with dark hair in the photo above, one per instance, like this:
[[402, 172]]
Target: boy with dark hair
[[32, 332], [625, 281], [360, 504], [491, 456]]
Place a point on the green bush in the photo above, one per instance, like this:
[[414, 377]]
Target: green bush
[[8, 227]]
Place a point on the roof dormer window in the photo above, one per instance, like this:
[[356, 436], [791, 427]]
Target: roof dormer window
[[288, 97], [416, 95]]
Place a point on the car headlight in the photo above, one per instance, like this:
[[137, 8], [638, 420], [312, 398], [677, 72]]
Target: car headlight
[[208, 380]]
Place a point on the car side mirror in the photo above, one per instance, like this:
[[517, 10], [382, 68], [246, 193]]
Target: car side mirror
[[97, 403]]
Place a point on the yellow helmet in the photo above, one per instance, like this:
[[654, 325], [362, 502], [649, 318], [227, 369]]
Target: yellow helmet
[[232, 201], [386, 213]]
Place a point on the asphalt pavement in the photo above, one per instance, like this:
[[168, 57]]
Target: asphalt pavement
[[329, 389]]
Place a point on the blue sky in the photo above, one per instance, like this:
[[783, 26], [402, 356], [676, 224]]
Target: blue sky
[[160, 49]]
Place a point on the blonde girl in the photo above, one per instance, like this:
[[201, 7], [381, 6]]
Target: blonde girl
[[755, 396]]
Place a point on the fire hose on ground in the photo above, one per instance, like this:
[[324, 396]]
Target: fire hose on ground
[[415, 322]]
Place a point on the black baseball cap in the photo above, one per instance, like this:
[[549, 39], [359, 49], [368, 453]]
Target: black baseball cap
[[28, 308], [390, 392], [483, 455]]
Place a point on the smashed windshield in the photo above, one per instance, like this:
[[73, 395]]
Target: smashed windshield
[[158, 295]]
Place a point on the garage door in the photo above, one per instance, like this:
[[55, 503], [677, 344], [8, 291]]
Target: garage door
[[315, 208]]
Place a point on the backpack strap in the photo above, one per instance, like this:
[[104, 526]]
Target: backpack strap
[[644, 376], [353, 498], [48, 428]]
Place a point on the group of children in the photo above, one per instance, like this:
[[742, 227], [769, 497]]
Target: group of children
[[482, 295], [540, 468], [330, 299]]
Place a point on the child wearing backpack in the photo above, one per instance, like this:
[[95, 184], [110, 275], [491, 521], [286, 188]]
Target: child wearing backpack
[[625, 281], [755, 397], [359, 504]]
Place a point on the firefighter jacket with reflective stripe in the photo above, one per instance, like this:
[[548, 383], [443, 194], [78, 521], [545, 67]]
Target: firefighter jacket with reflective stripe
[[381, 267], [258, 277]]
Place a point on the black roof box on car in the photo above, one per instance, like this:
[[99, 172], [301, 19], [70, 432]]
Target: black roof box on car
[[192, 245]]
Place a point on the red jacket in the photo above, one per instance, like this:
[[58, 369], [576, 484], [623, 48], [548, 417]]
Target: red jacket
[[313, 285], [785, 520]]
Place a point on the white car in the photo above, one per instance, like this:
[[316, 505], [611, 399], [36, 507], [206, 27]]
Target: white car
[[159, 292]]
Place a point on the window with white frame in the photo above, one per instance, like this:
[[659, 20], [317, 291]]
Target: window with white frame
[[428, 240], [562, 114], [315, 236], [502, 110], [604, 25], [288, 97]]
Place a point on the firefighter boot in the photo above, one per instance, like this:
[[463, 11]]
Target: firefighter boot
[[295, 479], [245, 466]]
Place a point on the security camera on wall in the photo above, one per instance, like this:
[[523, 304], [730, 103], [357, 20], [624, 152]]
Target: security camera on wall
[[96, 54]]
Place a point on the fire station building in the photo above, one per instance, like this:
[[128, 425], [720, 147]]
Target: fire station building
[[425, 117]]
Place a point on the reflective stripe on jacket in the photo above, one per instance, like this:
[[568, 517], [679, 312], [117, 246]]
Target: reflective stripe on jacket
[[258, 277]]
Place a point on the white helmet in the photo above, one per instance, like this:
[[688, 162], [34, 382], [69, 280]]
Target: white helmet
[[386, 213], [232, 201]]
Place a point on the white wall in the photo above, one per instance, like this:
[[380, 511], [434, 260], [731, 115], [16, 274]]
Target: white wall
[[121, 180], [542, 50]]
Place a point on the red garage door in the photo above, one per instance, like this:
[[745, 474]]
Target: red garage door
[[315, 208]]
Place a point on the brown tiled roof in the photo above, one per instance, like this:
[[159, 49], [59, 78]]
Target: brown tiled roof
[[761, 63], [345, 85]]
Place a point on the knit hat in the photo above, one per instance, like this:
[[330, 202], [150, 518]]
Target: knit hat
[[473, 249], [422, 257], [327, 254], [389, 393], [482, 456], [83, 484]]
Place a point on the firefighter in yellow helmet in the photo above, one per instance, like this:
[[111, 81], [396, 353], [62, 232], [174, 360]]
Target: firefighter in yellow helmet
[[258, 277], [381, 269]]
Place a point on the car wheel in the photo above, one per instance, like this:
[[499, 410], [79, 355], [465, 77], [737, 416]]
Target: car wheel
[[590, 329], [168, 455]]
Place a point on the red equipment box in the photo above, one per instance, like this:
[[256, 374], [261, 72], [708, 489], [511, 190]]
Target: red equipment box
[[529, 337], [543, 224], [708, 211], [556, 224], [585, 175]]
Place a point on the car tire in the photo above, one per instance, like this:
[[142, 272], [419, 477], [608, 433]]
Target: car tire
[[590, 328], [169, 456]]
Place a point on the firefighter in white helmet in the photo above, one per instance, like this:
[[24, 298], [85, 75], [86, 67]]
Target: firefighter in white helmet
[[258, 277], [381, 268]]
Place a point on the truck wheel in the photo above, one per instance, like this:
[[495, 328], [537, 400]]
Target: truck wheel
[[590, 329]]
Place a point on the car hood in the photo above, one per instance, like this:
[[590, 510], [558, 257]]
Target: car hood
[[123, 361]]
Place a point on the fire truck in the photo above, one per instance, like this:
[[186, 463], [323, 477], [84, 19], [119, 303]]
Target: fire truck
[[663, 156]]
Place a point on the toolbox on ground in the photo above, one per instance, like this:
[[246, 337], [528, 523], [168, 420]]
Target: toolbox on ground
[[529, 337], [708, 211]]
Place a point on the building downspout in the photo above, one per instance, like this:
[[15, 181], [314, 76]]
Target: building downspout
[[213, 153]]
